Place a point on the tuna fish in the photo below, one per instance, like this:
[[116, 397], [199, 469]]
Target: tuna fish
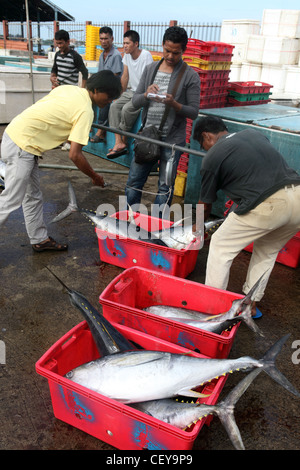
[[108, 224], [214, 323], [137, 376], [178, 237], [183, 415], [107, 338]]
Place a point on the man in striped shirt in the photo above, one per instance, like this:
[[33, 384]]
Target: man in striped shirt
[[67, 63], [66, 66]]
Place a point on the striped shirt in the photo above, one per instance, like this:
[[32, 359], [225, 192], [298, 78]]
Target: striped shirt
[[67, 67], [157, 109]]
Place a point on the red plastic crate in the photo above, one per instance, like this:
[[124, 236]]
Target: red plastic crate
[[210, 46], [250, 87], [211, 74], [231, 101], [213, 101], [211, 56], [125, 297], [289, 255], [106, 419], [128, 252], [213, 91]]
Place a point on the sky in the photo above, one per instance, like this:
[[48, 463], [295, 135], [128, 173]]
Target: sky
[[165, 10]]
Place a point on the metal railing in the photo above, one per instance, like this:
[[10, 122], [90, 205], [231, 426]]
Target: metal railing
[[151, 33]]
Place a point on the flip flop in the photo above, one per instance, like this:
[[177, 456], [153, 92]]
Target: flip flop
[[117, 153], [257, 315], [97, 139]]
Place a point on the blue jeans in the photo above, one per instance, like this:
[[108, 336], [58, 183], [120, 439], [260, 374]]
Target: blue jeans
[[101, 115], [139, 173]]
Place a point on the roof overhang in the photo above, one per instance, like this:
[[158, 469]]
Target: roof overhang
[[39, 10]]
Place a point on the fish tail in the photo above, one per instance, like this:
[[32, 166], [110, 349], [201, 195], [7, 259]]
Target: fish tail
[[72, 206], [246, 317], [250, 296], [225, 409], [270, 368]]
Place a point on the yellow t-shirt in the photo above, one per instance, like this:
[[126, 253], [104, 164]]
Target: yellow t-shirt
[[66, 113]]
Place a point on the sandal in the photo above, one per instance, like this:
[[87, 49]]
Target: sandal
[[117, 153], [49, 245], [97, 139]]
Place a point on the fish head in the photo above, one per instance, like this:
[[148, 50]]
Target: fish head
[[82, 374], [97, 219]]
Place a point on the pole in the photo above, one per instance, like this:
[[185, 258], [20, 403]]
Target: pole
[[30, 50]]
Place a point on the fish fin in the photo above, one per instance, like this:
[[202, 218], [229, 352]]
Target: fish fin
[[211, 317], [270, 368], [192, 393]]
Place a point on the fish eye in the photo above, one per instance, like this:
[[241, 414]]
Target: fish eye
[[69, 374]]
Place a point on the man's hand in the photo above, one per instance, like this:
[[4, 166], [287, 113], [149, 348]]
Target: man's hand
[[98, 180], [54, 81]]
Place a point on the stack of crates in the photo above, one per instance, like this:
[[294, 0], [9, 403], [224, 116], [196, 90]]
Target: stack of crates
[[91, 42], [248, 93], [212, 61]]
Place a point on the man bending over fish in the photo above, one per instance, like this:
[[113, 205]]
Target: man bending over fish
[[66, 113], [255, 176]]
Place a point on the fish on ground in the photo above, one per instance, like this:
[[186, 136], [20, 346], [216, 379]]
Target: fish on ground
[[183, 415], [137, 376], [177, 237]]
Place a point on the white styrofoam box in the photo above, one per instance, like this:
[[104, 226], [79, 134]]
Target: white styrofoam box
[[279, 51], [235, 72], [283, 23], [292, 81], [250, 72], [255, 48], [239, 53], [16, 91], [274, 75], [237, 31]]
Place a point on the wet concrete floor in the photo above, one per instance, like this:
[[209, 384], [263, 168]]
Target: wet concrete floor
[[35, 312]]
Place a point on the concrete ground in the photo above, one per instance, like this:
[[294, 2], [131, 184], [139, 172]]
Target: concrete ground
[[36, 312]]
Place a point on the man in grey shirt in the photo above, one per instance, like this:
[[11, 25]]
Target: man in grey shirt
[[185, 104], [110, 59], [266, 191]]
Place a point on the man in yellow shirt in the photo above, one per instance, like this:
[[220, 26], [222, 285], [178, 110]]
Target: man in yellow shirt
[[66, 113]]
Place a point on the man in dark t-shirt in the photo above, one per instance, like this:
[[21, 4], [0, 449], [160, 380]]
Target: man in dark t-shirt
[[255, 176]]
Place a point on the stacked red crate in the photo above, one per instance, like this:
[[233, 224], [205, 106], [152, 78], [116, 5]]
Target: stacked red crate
[[248, 93], [212, 61]]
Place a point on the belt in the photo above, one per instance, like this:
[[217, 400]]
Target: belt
[[291, 186]]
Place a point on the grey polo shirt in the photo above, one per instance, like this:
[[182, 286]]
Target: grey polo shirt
[[113, 62]]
